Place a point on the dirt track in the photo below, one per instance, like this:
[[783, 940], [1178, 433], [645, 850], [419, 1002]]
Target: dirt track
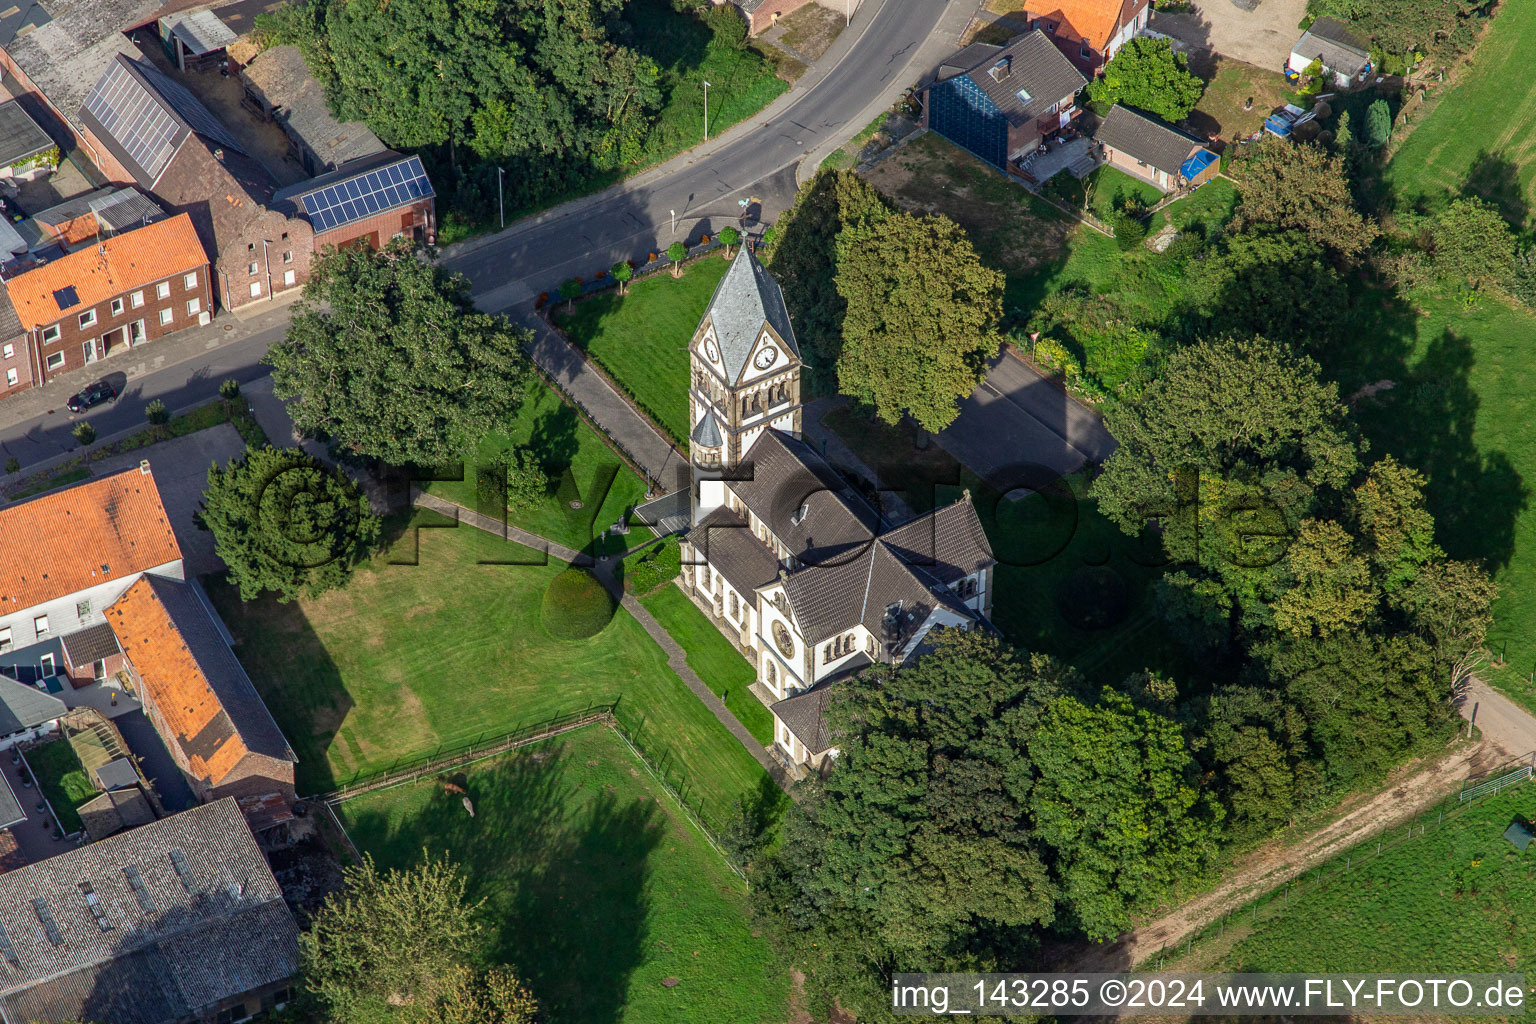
[[1508, 731]]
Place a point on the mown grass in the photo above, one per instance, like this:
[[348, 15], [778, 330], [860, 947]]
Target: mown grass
[[1481, 137], [1458, 898], [724, 670], [597, 888], [579, 466], [63, 781], [410, 658], [641, 338]]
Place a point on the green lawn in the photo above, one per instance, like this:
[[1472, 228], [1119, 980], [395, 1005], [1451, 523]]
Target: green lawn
[[407, 658], [578, 462], [1458, 898], [641, 339], [63, 780], [1481, 138], [597, 887], [711, 655]]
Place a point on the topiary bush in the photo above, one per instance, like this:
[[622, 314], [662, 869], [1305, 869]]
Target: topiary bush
[[576, 606]]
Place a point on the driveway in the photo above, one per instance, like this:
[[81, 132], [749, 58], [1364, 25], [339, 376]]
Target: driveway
[[1020, 430], [1262, 36]]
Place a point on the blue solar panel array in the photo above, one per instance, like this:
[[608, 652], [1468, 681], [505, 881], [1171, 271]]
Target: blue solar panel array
[[367, 194]]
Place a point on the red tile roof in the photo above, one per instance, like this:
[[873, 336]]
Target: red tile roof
[[64, 542], [1094, 20], [97, 273]]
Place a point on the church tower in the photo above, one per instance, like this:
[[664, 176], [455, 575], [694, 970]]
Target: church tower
[[744, 376]]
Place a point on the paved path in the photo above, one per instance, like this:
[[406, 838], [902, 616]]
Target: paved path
[[1504, 723], [568, 367], [676, 658]]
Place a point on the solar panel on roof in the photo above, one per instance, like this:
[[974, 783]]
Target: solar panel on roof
[[66, 297], [45, 918], [136, 883], [367, 194], [149, 120]]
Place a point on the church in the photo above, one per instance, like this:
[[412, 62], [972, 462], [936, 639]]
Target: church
[[798, 570]]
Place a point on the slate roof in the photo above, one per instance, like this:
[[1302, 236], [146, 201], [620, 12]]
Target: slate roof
[[780, 474], [1030, 62], [746, 298], [66, 541], [133, 95], [829, 599], [93, 643], [205, 921], [947, 544], [281, 79], [20, 137], [725, 540], [207, 701], [119, 264], [805, 713], [1340, 49], [22, 706], [10, 808], [707, 433], [10, 323], [1147, 138]]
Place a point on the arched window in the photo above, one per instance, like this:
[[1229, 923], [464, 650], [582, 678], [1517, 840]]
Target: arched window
[[869, 646], [735, 606], [826, 653], [773, 675]]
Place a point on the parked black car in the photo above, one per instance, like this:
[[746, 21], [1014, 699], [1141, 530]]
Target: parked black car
[[91, 394]]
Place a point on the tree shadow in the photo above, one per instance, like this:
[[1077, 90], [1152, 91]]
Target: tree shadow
[[1496, 179], [295, 676], [554, 440], [563, 874]]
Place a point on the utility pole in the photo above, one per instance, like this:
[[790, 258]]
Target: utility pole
[[706, 111], [500, 203]]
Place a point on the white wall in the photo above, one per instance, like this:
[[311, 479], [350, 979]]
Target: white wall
[[26, 735], [62, 616]]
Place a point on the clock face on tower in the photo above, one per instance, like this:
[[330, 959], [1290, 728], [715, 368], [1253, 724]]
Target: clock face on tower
[[710, 351], [765, 357]]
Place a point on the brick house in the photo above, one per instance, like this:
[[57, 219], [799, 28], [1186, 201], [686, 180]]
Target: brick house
[[123, 291], [1088, 32], [370, 201], [64, 558], [1000, 102], [279, 85], [15, 352], [1153, 150], [200, 700], [764, 14], [259, 252]]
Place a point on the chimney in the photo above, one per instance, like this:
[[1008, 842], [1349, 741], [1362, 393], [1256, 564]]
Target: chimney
[[144, 467]]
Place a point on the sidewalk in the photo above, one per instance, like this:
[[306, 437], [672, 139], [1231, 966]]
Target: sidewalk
[[131, 363]]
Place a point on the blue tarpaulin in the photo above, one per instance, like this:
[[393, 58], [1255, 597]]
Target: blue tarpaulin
[[1196, 163], [1277, 125]]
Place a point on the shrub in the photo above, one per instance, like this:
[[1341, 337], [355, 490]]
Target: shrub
[[1129, 230], [229, 389], [13, 465], [1053, 355], [156, 413], [576, 606], [1522, 281]]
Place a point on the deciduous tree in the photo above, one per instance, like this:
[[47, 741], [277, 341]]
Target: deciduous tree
[[388, 356], [1301, 187], [285, 524], [921, 317], [1472, 242], [1149, 74]]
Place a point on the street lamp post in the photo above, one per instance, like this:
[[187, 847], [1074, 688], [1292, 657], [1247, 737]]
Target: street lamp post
[[706, 111], [847, 12], [674, 221], [500, 203]]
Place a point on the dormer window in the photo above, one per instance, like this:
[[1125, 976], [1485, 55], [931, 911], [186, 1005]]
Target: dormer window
[[799, 514]]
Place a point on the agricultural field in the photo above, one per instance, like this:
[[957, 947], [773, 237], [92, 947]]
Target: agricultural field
[[578, 462], [1481, 137], [597, 888], [641, 338], [1458, 898], [438, 642]]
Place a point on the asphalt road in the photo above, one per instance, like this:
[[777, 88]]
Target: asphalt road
[[755, 160]]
